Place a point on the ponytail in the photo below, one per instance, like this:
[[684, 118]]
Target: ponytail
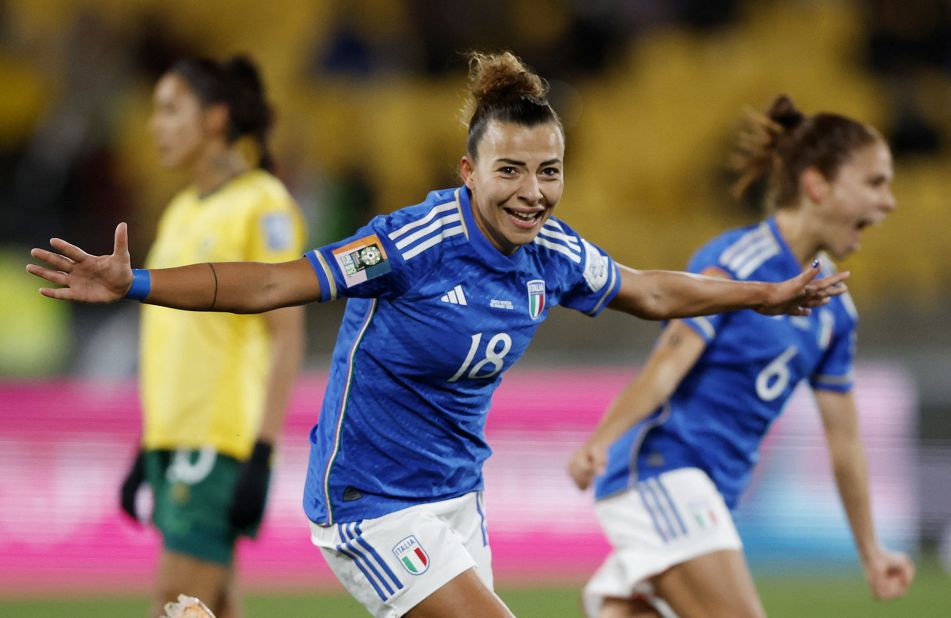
[[776, 147], [251, 114]]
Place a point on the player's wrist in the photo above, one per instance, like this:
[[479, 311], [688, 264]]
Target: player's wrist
[[868, 552], [141, 284]]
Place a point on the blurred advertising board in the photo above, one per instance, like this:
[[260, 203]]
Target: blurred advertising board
[[65, 446]]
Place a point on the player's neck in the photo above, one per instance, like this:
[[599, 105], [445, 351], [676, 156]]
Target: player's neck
[[216, 168], [798, 234]]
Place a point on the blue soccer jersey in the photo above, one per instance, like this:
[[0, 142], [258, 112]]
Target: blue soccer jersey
[[435, 316], [719, 414]]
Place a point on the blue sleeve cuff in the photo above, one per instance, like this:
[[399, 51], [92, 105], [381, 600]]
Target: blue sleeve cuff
[[703, 326], [328, 287], [837, 384], [613, 287]]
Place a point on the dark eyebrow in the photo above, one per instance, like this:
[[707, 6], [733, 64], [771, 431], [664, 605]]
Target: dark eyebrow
[[523, 164]]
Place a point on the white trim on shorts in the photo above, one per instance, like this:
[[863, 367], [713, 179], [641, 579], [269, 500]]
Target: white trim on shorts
[[392, 563], [658, 523]]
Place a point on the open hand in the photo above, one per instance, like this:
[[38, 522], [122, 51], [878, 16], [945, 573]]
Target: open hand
[[798, 295], [85, 278]]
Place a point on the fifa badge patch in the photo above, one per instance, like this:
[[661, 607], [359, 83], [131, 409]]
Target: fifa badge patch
[[595, 267], [278, 231], [362, 260], [536, 298], [412, 555]]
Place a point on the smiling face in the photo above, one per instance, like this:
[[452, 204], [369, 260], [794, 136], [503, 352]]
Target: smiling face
[[179, 124], [860, 196], [516, 180]]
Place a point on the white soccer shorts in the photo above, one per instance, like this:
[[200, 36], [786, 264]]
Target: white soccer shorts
[[391, 563], [659, 523]]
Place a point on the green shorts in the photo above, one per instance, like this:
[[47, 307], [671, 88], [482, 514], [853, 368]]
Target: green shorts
[[192, 490]]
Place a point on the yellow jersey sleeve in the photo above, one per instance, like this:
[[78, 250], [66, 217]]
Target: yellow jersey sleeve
[[276, 231]]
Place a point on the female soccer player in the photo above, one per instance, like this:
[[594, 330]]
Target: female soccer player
[[683, 436], [444, 296], [214, 387]]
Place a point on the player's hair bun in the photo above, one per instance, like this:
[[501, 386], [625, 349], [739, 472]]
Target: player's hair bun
[[243, 70], [784, 113], [502, 88], [495, 79]]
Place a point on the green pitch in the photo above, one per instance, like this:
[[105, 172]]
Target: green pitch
[[793, 597]]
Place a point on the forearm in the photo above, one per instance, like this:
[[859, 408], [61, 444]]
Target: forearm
[[675, 353], [851, 477], [236, 287], [889, 574], [633, 405], [287, 352], [849, 465], [662, 295]]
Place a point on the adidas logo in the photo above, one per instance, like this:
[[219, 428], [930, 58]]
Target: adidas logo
[[455, 296]]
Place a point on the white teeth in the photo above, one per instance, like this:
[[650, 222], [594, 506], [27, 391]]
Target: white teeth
[[531, 216]]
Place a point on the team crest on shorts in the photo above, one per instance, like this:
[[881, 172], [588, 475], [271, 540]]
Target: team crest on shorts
[[536, 298], [703, 515], [412, 555]]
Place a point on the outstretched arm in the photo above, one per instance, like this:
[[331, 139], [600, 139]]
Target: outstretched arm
[[663, 294], [676, 352], [889, 574], [238, 287]]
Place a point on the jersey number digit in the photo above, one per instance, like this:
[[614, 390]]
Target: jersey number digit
[[774, 378], [495, 351]]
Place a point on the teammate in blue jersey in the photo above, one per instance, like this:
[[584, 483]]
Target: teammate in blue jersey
[[443, 297], [678, 445]]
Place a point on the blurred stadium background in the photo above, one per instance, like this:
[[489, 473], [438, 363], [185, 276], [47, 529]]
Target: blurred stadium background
[[368, 94]]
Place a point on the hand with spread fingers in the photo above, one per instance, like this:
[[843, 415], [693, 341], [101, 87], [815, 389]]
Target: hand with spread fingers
[[85, 278], [798, 295]]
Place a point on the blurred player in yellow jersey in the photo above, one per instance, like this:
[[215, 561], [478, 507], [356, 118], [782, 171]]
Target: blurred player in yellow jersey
[[214, 386]]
